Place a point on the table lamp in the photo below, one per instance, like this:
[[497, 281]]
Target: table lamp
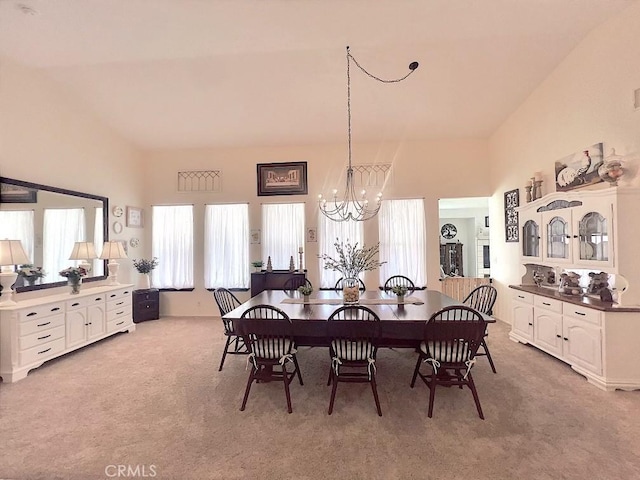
[[84, 251], [113, 251], [11, 254]]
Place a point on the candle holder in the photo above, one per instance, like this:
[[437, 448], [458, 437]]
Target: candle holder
[[300, 253], [537, 189], [528, 190]]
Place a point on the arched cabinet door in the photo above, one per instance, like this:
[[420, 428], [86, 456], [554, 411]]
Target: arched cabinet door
[[593, 236], [531, 237], [558, 236]]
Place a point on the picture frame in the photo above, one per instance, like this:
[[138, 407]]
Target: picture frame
[[135, 217], [254, 236], [17, 194], [486, 221], [511, 220], [287, 178], [580, 169], [312, 235]]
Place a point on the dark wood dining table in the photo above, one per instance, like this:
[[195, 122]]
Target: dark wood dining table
[[402, 325]]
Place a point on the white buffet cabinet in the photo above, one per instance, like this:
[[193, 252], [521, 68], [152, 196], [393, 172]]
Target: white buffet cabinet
[[598, 341], [36, 330]]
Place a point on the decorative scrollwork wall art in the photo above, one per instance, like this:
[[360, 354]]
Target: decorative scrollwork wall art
[[511, 222]]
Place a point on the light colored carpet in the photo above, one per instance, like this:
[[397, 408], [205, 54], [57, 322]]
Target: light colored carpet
[[155, 398]]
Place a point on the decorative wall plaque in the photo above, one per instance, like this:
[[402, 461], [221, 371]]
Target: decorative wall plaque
[[511, 223]]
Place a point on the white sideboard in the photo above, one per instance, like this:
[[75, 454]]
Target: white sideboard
[[598, 340], [36, 330]]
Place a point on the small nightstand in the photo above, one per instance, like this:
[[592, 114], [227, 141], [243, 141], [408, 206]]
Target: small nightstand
[[146, 305]]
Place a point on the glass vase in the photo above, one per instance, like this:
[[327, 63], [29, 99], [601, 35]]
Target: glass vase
[[350, 290], [75, 283]]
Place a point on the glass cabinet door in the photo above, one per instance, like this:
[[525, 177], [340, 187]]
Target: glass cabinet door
[[593, 238], [557, 239], [531, 239]]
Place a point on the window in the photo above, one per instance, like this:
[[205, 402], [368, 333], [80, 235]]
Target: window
[[329, 231], [226, 246], [62, 228], [18, 225], [172, 244], [402, 240], [282, 233]]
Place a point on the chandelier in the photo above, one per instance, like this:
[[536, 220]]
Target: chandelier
[[352, 206]]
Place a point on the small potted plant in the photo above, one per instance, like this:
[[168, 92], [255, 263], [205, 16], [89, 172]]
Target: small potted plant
[[145, 267], [305, 290], [30, 273], [257, 265], [400, 291]]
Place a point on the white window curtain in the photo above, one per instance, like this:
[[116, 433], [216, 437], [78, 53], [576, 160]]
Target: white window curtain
[[403, 240], [282, 233], [62, 228], [226, 246], [328, 232], [18, 225], [172, 244], [98, 242]]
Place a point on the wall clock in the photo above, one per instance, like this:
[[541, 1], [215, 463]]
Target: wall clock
[[117, 211], [449, 231]]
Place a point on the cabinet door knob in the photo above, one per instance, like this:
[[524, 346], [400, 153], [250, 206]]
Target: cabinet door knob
[[531, 324], [566, 339], [559, 336]]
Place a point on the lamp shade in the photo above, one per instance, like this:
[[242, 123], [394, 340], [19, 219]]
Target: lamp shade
[[12, 253], [83, 251], [113, 251]]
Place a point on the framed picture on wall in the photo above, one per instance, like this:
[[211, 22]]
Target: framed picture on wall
[[511, 222], [282, 178], [135, 217]]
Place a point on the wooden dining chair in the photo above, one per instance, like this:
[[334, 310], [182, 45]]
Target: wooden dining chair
[[227, 301], [338, 285], [353, 333], [482, 299], [452, 337], [292, 284], [268, 334], [400, 281]]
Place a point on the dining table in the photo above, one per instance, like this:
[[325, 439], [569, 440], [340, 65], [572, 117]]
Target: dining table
[[401, 324]]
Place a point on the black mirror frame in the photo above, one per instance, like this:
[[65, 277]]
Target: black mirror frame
[[105, 225]]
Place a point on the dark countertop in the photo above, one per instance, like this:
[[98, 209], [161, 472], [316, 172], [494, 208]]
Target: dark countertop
[[582, 300]]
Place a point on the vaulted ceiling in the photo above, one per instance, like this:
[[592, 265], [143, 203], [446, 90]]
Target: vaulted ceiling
[[207, 73]]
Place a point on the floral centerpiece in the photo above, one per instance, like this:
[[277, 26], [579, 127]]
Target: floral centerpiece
[[351, 261], [400, 290], [145, 266], [74, 273], [257, 265], [30, 273], [305, 290], [74, 276]]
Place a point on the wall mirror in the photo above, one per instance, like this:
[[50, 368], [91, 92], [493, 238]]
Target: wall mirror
[[49, 220]]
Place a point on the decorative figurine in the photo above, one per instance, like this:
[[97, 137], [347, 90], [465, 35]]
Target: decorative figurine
[[269, 266]]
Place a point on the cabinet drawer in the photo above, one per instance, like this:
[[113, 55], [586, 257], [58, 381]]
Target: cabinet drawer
[[40, 338], [122, 293], [146, 295], [118, 313], [41, 324], [548, 303], [118, 323], [40, 311], [42, 352], [83, 302], [119, 303], [582, 313], [523, 297]]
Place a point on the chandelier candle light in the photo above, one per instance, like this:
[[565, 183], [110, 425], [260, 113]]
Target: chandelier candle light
[[352, 207]]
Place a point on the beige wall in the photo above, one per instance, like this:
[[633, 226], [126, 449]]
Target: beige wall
[[429, 169], [586, 100], [48, 137]]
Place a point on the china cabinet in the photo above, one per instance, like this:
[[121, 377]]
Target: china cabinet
[[590, 230], [40, 329]]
